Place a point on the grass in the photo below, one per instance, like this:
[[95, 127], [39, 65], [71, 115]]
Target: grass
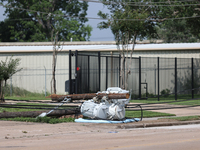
[[33, 105], [30, 119], [2, 109], [169, 101], [36, 97], [40, 119], [146, 114], [185, 118], [23, 94], [129, 114]]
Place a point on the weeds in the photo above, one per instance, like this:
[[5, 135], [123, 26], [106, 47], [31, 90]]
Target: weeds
[[20, 93], [40, 119]]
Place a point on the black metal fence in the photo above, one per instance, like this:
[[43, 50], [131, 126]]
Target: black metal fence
[[151, 77]]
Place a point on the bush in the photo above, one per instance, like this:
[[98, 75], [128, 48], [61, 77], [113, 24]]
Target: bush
[[165, 93]]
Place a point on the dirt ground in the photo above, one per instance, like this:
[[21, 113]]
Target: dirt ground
[[31, 136], [15, 129], [86, 136]]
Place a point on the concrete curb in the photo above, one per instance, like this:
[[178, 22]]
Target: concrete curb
[[158, 124]]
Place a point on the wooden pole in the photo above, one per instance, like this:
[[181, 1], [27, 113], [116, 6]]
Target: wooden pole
[[36, 113], [86, 96]]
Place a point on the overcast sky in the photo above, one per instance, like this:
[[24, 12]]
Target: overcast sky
[[93, 9]]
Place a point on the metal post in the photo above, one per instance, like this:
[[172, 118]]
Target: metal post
[[119, 70], [76, 65], [155, 78], [158, 82], [88, 74], [45, 81], [117, 77], [70, 72], [112, 78], [192, 69], [106, 72], [124, 72], [140, 74], [175, 78], [99, 66]]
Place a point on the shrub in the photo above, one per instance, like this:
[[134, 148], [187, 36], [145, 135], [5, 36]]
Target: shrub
[[165, 92]]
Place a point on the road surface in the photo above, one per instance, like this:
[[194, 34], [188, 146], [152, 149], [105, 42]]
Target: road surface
[[83, 136]]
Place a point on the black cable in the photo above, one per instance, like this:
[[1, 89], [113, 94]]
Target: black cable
[[165, 107], [8, 106], [140, 110], [38, 105], [49, 101], [167, 102]]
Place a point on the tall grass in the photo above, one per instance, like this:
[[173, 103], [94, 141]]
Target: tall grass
[[20, 93]]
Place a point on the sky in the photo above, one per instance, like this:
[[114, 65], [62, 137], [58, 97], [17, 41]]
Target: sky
[[93, 9]]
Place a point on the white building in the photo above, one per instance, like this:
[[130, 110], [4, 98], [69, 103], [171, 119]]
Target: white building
[[36, 59]]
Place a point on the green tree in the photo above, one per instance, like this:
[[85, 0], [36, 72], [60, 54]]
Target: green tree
[[35, 20], [179, 20], [135, 19], [5, 33], [176, 31], [7, 69], [127, 22]]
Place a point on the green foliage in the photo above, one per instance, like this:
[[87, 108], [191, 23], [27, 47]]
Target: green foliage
[[7, 69], [146, 114], [165, 93], [185, 118], [170, 28], [40, 119], [150, 95], [172, 100], [2, 109], [19, 93], [176, 31], [5, 33], [185, 81], [153, 19], [36, 20], [123, 23]]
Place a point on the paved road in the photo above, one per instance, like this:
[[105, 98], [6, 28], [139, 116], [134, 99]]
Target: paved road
[[29, 136]]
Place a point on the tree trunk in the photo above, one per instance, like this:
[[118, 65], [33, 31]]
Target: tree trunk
[[54, 72], [55, 49], [122, 72]]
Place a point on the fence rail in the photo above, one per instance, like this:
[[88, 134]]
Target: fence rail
[[150, 76]]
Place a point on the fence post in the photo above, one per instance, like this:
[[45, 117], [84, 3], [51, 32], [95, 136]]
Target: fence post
[[192, 69], [99, 66], [70, 72], [76, 65], [119, 70], [106, 72], [155, 77], [175, 78], [140, 74], [88, 74], [45, 81], [158, 81]]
